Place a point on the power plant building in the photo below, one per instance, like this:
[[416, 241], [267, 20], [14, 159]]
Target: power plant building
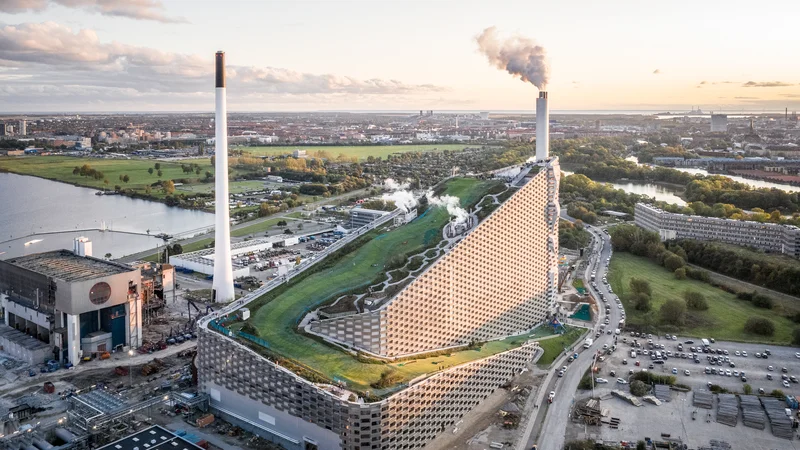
[[73, 304], [769, 237], [499, 280]]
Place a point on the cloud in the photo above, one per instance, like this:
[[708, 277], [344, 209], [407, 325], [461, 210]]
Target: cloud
[[746, 98], [766, 84], [790, 95], [50, 54], [702, 82], [131, 9], [657, 71]]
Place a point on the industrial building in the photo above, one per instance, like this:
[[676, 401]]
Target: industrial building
[[769, 237], [362, 216], [73, 303], [471, 293]]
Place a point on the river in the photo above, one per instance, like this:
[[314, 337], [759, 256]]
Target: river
[[754, 183], [34, 205]]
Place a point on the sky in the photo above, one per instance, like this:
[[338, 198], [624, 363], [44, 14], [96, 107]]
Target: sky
[[302, 55]]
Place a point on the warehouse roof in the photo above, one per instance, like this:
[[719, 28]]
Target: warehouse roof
[[151, 438], [67, 266]]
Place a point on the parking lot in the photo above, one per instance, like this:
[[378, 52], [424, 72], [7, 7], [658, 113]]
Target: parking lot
[[755, 369]]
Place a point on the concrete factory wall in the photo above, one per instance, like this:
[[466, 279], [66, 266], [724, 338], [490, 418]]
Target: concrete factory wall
[[499, 281], [288, 409]]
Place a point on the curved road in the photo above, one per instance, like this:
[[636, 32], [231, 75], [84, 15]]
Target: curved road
[[553, 429]]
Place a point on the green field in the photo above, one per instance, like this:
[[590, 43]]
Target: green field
[[236, 187], [554, 346], [724, 319], [190, 247], [59, 168], [276, 320], [257, 227], [359, 151]]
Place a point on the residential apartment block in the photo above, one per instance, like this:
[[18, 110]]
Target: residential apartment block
[[770, 237]]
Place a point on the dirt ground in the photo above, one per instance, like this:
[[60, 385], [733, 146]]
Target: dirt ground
[[484, 424]]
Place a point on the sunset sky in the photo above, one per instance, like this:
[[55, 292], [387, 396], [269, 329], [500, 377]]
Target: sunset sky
[[148, 55]]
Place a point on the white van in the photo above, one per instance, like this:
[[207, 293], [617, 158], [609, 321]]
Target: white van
[[616, 331]]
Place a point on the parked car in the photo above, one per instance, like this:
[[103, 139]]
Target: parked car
[[622, 381], [601, 380]]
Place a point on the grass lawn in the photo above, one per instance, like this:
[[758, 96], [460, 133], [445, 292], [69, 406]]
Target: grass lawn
[[724, 319], [276, 319], [191, 247], [59, 168], [577, 283], [555, 345], [359, 151], [256, 228], [236, 187]]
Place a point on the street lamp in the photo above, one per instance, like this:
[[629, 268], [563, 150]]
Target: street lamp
[[130, 368]]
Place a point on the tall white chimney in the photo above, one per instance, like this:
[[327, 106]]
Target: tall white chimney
[[542, 127], [222, 287]]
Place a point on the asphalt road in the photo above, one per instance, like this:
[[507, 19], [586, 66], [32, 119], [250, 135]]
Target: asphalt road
[[557, 414]]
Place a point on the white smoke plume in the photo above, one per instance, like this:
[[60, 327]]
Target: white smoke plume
[[517, 55], [392, 185], [402, 197], [452, 204]]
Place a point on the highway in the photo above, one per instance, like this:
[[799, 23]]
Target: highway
[[556, 416]]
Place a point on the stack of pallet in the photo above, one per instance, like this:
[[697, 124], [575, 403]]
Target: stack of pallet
[[752, 413], [702, 399], [728, 409], [662, 392], [780, 422]]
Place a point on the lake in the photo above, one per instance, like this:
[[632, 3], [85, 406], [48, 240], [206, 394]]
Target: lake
[[34, 205], [659, 192]]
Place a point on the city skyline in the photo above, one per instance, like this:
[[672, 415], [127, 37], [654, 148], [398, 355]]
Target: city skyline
[[109, 55]]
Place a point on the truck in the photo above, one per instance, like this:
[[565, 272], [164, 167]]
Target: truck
[[706, 343], [588, 343], [791, 401]]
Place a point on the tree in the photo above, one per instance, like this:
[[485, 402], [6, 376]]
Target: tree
[[762, 301], [160, 173], [157, 166], [108, 255], [213, 160], [680, 273], [673, 262], [126, 178], [150, 171], [673, 312], [640, 286], [641, 302], [168, 186], [76, 170], [695, 301], [281, 223], [638, 388], [760, 326], [209, 175], [287, 231], [747, 389]]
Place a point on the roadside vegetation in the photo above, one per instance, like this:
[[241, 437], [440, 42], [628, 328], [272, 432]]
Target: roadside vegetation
[[554, 346], [573, 235]]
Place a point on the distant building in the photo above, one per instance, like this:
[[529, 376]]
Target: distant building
[[65, 304], [719, 123], [405, 217], [360, 216], [275, 178], [23, 128], [770, 237], [299, 153]]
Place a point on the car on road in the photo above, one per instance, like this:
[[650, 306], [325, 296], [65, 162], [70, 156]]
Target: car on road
[[728, 373], [737, 353], [797, 355], [622, 381], [624, 362], [744, 353], [769, 376], [551, 396], [786, 384], [686, 372], [793, 379], [675, 370], [560, 373], [784, 370], [770, 368], [601, 380]]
